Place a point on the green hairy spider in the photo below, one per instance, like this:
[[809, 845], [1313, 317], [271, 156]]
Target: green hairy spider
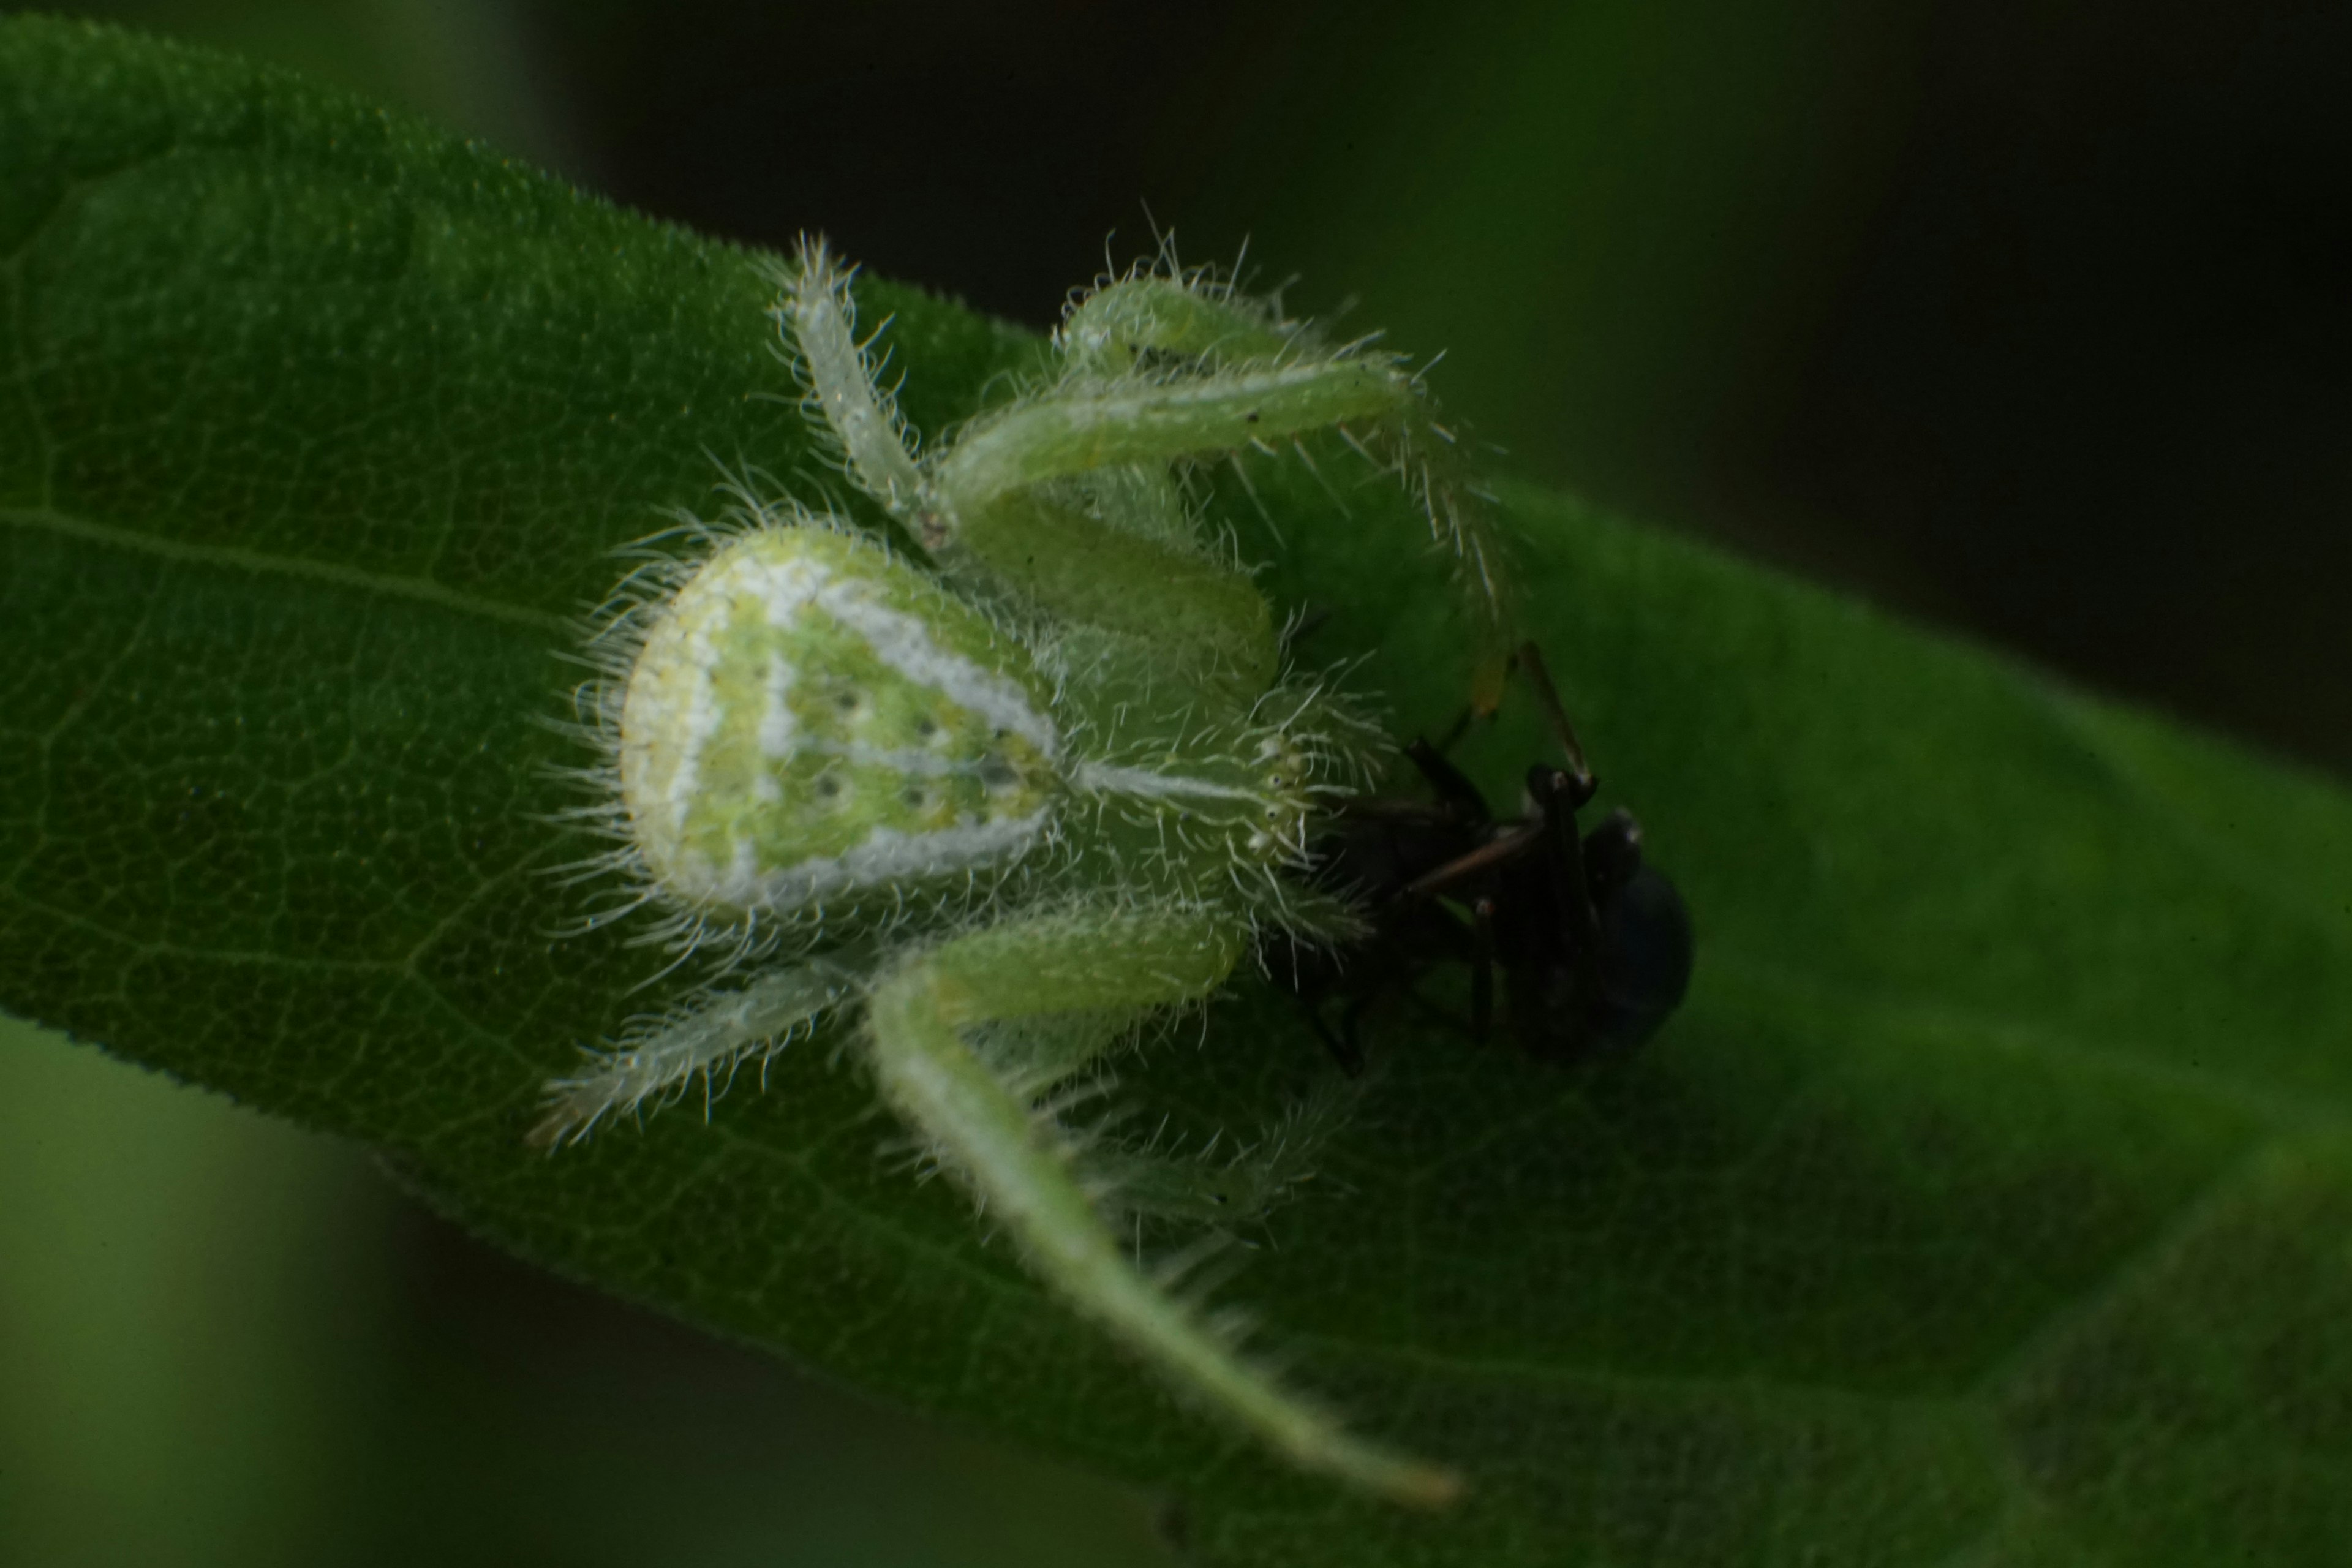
[[1007, 786]]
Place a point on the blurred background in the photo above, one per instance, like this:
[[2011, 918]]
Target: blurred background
[[2030, 320]]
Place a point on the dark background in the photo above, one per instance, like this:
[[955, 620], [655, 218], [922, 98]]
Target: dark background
[[2035, 319], [2032, 320]]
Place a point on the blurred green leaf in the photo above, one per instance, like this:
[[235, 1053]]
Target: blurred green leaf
[[1990, 1201], [462, 63], [187, 1344]]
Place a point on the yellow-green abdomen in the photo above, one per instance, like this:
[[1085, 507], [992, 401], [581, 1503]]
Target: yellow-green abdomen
[[811, 721]]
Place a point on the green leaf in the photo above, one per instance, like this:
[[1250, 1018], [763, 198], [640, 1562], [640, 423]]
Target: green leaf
[[1989, 1202]]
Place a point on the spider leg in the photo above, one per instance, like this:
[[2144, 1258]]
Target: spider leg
[[1107, 330], [1063, 559], [995, 508], [1256, 382], [840, 376], [989, 503], [710, 1038], [1092, 425], [983, 1123]]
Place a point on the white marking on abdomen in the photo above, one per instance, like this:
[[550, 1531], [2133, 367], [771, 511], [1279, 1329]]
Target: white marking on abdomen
[[702, 717], [886, 856], [903, 643], [899, 640], [1103, 778], [776, 723]]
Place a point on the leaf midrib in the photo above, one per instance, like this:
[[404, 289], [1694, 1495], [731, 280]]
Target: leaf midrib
[[416, 590]]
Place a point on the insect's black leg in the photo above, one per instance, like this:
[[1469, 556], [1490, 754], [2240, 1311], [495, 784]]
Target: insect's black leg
[[1455, 793], [1440, 932], [1482, 970], [1459, 728], [1513, 844], [1343, 1045], [1314, 975], [1555, 794], [1525, 657], [1548, 698]]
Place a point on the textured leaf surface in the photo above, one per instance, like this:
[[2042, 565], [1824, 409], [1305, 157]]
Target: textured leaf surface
[[1991, 1202]]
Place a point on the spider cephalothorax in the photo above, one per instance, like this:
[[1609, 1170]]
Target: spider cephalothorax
[[1014, 789]]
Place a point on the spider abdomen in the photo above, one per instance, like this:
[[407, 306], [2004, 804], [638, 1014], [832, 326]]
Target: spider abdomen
[[811, 720]]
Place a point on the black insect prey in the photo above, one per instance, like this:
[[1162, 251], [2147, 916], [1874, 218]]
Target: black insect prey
[[1593, 945]]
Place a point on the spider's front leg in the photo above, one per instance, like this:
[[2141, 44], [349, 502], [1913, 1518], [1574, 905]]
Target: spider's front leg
[[981, 1118], [1291, 386], [1242, 393], [661, 1057], [1063, 495]]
